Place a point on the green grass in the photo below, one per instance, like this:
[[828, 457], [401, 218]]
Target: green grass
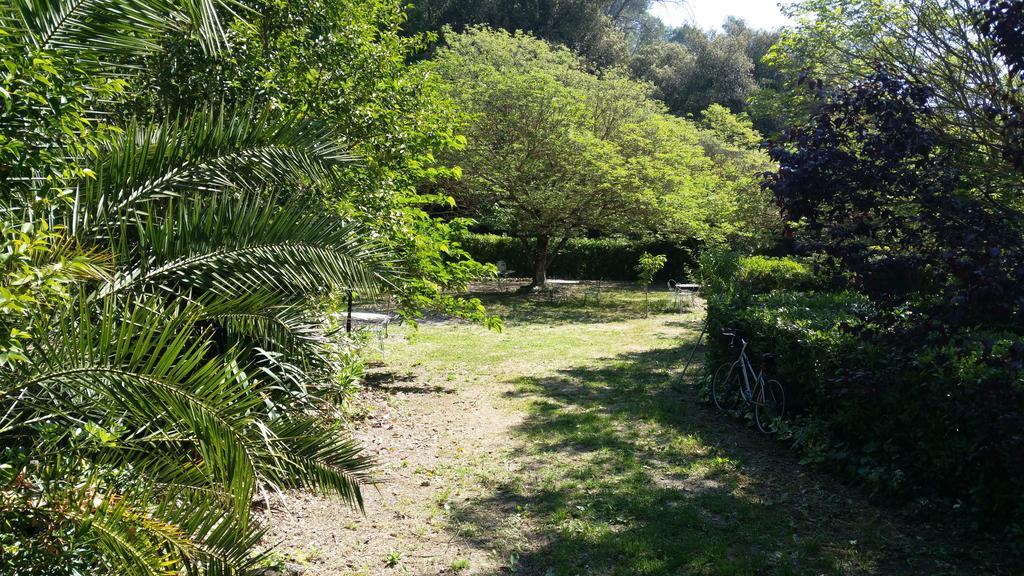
[[625, 472]]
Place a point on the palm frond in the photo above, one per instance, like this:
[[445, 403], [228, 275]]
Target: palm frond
[[111, 26], [213, 150], [129, 536], [234, 245], [220, 544], [309, 455], [271, 320], [142, 363]]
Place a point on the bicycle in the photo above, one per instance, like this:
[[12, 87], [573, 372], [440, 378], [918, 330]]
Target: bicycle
[[739, 381]]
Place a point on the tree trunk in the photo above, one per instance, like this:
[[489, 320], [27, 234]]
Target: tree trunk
[[540, 262]]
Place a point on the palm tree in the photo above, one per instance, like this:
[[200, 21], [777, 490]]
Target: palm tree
[[190, 367]]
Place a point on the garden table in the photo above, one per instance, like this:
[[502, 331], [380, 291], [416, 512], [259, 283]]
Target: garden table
[[555, 287], [683, 292], [378, 321]]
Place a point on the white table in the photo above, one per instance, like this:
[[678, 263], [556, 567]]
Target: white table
[[551, 287], [683, 293], [379, 321]]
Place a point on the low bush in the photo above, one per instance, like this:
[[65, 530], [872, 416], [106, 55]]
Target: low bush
[[802, 329], [938, 421], [581, 258], [726, 273], [759, 274]]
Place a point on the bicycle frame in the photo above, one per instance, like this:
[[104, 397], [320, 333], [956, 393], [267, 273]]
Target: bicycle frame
[[747, 370], [767, 397]]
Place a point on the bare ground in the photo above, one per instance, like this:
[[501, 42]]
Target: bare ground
[[427, 437]]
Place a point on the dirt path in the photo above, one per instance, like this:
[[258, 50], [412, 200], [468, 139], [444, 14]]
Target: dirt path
[[427, 436], [566, 445]]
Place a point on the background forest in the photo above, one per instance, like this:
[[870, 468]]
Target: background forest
[[190, 188]]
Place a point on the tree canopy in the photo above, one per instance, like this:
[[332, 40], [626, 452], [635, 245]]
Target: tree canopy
[[934, 43], [554, 151], [602, 31]]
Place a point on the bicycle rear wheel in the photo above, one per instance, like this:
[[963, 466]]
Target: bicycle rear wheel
[[769, 406], [725, 388]]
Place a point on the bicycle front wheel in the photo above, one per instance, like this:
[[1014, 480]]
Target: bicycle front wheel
[[769, 406], [725, 388]]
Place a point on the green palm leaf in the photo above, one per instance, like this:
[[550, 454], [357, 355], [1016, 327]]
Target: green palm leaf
[[111, 26], [233, 245], [213, 150], [312, 457], [139, 362]]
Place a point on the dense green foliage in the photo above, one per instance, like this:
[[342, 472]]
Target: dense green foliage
[[894, 420], [935, 44], [689, 68], [555, 152], [760, 274], [692, 69], [173, 236], [582, 258], [601, 31], [344, 62], [902, 182]]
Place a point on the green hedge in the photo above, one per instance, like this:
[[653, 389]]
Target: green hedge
[[727, 273], [800, 328], [759, 274], [936, 422], [583, 258]]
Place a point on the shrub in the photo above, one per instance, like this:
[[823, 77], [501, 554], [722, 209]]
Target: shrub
[[725, 272], [718, 270], [759, 274], [581, 258], [938, 421], [802, 329], [649, 265]]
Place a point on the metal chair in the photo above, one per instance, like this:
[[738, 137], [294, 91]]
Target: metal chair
[[503, 274]]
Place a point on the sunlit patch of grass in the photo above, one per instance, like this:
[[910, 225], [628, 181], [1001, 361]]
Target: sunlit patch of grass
[[625, 473]]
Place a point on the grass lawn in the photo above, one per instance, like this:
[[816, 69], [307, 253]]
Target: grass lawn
[[616, 467]]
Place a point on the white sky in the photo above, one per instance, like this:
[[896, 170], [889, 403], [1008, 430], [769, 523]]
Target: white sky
[[711, 13]]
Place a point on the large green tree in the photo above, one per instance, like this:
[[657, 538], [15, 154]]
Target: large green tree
[[554, 152]]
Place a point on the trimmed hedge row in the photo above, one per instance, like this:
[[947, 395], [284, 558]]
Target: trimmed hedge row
[[945, 423], [582, 258], [800, 328]]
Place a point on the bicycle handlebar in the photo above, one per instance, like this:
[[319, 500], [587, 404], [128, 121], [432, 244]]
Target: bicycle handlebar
[[732, 335]]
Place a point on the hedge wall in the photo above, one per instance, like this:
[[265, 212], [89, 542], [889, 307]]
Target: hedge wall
[[942, 423], [583, 258]]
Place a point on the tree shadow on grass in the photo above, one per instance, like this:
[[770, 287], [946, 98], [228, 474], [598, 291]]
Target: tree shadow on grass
[[392, 382], [624, 473]]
